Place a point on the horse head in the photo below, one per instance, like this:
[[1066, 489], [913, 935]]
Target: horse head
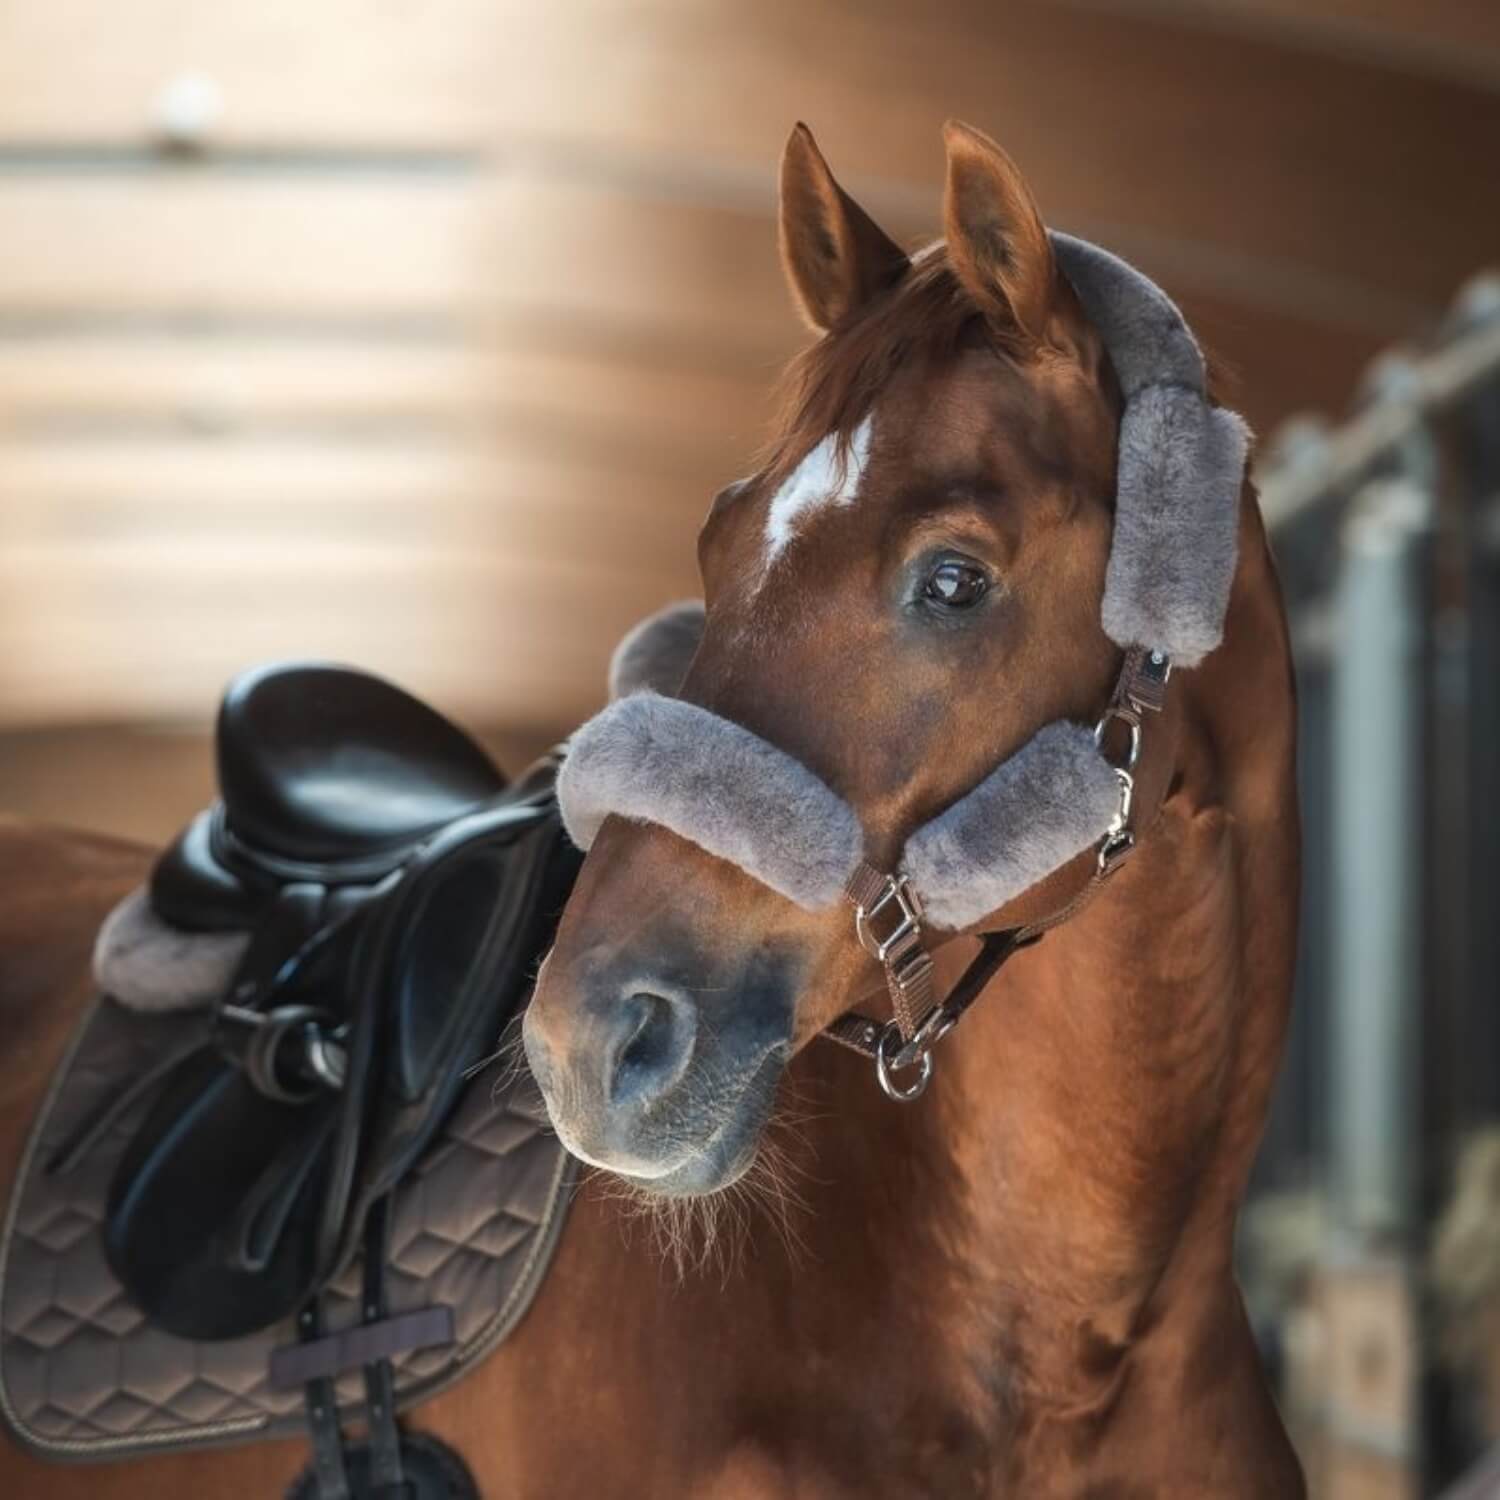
[[905, 591]]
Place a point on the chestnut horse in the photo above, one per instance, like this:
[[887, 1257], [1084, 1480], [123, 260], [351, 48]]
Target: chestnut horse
[[1022, 1284]]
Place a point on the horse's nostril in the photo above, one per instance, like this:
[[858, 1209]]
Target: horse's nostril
[[656, 1041], [645, 1048]]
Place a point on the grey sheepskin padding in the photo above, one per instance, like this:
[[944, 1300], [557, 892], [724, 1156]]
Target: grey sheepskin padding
[[1148, 340], [656, 653], [1171, 564], [1051, 800], [148, 966], [660, 760], [1181, 466]]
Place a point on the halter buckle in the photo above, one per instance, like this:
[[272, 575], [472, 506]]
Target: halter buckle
[[908, 923]]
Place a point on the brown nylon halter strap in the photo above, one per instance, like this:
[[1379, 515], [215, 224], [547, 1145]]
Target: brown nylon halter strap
[[888, 913], [888, 921]]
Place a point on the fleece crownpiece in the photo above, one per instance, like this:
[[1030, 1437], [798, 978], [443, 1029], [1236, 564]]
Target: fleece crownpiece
[[657, 759]]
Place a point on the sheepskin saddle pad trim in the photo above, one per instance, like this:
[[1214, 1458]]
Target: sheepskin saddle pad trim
[[146, 964], [653, 758]]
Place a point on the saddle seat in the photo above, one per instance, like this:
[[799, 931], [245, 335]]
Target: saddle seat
[[323, 765], [396, 894], [327, 776]]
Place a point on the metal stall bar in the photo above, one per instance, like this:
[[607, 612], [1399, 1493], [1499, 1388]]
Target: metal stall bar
[[1378, 711], [1404, 773], [1437, 381]]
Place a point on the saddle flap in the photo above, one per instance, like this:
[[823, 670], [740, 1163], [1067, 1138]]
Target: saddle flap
[[444, 944], [176, 1231], [447, 962]]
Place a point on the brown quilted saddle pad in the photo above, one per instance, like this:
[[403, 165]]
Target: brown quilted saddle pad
[[84, 1376]]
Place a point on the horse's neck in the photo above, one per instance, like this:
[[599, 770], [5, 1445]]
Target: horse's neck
[[1058, 1211], [1104, 1117]]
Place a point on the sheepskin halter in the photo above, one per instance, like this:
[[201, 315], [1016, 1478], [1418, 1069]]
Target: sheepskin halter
[[654, 758]]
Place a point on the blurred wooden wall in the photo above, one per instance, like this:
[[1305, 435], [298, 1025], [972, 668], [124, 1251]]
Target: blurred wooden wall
[[419, 332]]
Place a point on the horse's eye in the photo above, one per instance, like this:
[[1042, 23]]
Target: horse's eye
[[956, 585]]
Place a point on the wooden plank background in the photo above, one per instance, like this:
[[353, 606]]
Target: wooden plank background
[[428, 348]]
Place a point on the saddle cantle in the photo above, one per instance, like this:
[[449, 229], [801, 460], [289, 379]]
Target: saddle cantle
[[396, 893]]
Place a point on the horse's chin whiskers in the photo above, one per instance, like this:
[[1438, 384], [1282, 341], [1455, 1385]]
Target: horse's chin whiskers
[[698, 1234]]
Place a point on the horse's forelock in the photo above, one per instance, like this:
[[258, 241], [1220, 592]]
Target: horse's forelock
[[834, 384]]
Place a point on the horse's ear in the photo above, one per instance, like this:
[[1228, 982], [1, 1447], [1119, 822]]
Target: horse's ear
[[997, 243], [836, 256]]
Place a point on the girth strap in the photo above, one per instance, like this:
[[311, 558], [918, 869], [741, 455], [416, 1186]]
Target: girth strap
[[324, 1429], [330, 1477], [387, 1477]]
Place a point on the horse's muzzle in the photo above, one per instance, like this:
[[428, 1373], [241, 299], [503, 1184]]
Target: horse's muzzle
[[665, 1085]]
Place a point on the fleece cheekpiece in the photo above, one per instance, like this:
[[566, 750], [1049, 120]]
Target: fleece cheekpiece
[[658, 759]]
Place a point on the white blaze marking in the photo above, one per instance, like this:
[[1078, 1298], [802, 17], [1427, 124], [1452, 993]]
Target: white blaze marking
[[814, 483]]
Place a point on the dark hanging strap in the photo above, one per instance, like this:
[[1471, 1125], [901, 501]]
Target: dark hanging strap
[[387, 1478], [862, 1034], [323, 1416], [327, 1355]]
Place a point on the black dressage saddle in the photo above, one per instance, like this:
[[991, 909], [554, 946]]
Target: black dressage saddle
[[396, 894]]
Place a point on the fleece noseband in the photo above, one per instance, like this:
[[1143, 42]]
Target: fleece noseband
[[655, 758]]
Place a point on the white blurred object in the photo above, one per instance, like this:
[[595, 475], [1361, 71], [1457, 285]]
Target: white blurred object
[[187, 109]]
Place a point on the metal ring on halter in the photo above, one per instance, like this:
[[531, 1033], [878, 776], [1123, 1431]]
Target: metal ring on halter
[[935, 1026], [885, 1065], [1133, 723]]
